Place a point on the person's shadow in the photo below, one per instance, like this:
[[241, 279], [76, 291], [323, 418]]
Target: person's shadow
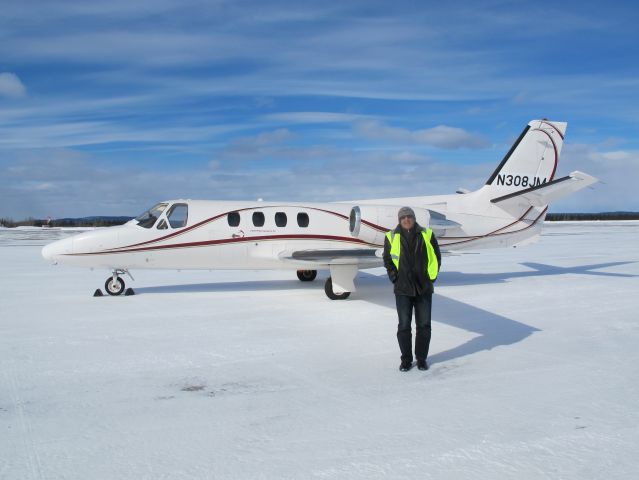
[[493, 330]]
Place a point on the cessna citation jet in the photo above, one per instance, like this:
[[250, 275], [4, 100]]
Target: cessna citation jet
[[342, 237]]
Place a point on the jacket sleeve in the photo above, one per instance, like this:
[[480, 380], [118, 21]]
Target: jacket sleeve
[[388, 262], [433, 242]]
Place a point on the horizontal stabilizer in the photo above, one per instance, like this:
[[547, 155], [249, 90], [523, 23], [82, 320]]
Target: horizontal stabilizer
[[542, 195]]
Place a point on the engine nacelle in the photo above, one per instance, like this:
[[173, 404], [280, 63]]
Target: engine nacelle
[[371, 222]]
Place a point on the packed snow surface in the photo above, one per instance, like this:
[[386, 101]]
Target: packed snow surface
[[255, 375]]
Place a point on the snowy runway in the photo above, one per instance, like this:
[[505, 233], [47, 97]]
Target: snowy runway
[[257, 375]]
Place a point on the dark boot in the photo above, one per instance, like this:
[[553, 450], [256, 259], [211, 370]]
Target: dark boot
[[422, 365], [405, 366]]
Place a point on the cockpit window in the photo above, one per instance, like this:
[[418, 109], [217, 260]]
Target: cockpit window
[[178, 214], [148, 218]]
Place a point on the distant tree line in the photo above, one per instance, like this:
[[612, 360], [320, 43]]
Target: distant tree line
[[65, 222], [560, 217]]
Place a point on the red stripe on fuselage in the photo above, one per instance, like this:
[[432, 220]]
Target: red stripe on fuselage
[[231, 240]]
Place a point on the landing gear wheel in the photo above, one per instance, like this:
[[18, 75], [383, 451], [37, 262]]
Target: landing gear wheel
[[306, 275], [114, 288], [328, 288]]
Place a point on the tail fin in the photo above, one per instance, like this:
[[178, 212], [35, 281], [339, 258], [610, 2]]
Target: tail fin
[[532, 160]]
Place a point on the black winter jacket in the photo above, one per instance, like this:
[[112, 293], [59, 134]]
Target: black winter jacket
[[412, 278]]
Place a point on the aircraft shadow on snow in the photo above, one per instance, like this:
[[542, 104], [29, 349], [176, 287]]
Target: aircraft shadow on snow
[[445, 278], [492, 330], [536, 270]]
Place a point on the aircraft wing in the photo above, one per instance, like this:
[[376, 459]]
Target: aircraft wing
[[542, 195], [441, 225], [362, 257]]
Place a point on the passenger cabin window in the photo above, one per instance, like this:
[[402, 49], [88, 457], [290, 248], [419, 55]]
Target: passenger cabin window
[[302, 219], [148, 218], [178, 215], [280, 219], [258, 219], [233, 219]]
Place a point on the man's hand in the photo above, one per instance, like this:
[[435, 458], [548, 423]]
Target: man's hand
[[392, 274]]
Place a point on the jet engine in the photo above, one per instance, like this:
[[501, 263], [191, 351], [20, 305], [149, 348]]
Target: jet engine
[[371, 222]]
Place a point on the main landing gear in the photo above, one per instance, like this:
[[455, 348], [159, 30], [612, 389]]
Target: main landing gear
[[328, 288], [306, 275], [341, 282], [310, 275]]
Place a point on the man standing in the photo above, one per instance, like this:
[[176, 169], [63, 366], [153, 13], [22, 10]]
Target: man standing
[[412, 260]]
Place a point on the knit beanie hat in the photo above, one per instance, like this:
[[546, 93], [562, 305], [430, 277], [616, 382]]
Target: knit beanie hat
[[405, 212]]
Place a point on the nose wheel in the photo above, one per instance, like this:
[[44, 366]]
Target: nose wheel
[[114, 285]]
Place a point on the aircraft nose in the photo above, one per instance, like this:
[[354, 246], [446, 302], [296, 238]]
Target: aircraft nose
[[54, 250]]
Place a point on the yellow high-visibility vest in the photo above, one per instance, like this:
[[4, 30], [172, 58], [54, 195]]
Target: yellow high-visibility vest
[[432, 267]]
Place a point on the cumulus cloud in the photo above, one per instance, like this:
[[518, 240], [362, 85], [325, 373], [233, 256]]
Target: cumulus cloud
[[616, 169], [441, 136], [63, 182], [11, 86]]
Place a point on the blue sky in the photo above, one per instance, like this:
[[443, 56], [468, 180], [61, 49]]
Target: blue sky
[[107, 108]]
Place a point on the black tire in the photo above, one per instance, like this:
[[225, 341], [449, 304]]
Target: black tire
[[306, 275], [328, 288], [116, 288]]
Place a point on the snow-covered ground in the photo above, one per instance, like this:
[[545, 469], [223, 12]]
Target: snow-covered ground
[[244, 375]]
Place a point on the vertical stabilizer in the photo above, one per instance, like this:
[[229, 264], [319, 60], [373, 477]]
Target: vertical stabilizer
[[532, 160]]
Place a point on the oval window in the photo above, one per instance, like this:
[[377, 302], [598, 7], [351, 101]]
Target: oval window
[[258, 219], [302, 219], [233, 219], [280, 219]]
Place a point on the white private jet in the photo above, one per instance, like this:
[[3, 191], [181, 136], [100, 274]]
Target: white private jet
[[342, 237]]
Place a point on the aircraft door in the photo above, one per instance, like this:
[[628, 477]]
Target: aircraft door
[[227, 237]]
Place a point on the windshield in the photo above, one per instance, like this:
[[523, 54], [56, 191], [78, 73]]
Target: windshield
[[148, 218]]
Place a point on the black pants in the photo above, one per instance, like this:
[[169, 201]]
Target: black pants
[[422, 305]]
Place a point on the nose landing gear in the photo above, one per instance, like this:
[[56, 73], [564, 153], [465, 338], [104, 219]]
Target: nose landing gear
[[114, 285]]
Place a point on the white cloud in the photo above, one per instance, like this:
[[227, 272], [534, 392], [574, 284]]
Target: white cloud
[[312, 117], [620, 156], [61, 183], [440, 136], [617, 171], [11, 86], [69, 183]]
